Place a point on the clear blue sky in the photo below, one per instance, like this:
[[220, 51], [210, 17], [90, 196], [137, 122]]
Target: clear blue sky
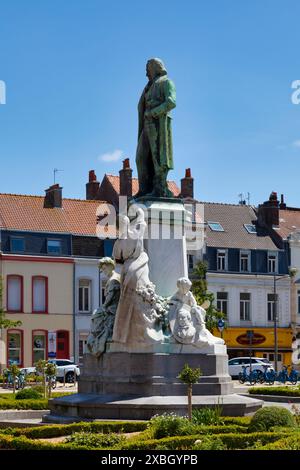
[[74, 71]]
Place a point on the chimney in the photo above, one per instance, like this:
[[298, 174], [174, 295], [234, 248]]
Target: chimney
[[268, 212], [126, 179], [282, 203], [187, 184], [53, 197], [92, 187]]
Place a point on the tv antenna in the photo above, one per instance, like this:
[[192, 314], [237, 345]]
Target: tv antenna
[[56, 170]]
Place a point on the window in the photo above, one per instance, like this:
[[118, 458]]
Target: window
[[221, 260], [250, 228], [54, 247], [298, 302], [215, 226], [244, 261], [14, 293], [84, 296], [272, 262], [39, 346], [272, 306], [222, 302], [17, 244], [39, 294], [245, 306], [190, 259], [14, 347]]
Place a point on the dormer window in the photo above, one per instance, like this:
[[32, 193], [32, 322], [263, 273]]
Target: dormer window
[[272, 262], [222, 260]]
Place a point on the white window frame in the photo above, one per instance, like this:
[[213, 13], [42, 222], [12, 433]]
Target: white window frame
[[275, 255], [244, 253], [220, 253], [271, 304], [243, 309], [222, 302], [84, 288]]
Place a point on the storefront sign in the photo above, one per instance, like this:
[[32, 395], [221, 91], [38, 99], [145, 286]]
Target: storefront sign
[[256, 338]]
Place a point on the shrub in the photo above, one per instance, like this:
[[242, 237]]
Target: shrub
[[265, 418], [207, 443], [28, 393], [169, 424], [90, 440], [207, 416]]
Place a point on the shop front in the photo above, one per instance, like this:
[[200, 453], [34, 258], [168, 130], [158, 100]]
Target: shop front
[[259, 342]]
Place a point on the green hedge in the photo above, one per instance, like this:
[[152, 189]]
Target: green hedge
[[23, 404], [8, 402], [287, 391], [231, 440], [239, 420], [57, 430], [291, 442]]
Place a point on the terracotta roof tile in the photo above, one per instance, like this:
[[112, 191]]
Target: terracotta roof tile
[[115, 182], [289, 221], [21, 212]]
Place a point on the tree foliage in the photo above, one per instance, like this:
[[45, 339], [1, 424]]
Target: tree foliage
[[201, 294]]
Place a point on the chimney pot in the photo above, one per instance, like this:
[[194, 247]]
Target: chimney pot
[[126, 163], [188, 173], [92, 176]]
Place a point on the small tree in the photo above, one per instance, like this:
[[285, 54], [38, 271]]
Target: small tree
[[50, 372], [14, 371], [199, 289], [41, 368], [189, 376]]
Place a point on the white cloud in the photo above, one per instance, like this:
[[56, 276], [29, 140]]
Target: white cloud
[[296, 143], [111, 156]]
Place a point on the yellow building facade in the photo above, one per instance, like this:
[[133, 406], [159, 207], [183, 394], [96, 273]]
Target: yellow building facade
[[38, 291]]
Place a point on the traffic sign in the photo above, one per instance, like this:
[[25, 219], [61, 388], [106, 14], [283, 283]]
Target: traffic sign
[[221, 325]]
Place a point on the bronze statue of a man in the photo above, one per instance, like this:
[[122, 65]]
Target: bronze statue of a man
[[154, 157]]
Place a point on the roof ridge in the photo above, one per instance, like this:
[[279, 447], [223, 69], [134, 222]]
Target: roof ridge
[[227, 204], [42, 197]]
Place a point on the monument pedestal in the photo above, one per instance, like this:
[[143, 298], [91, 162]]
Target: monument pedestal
[[124, 385]]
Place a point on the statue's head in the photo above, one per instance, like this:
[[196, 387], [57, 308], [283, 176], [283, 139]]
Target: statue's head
[[107, 265], [184, 318], [184, 285], [154, 68]]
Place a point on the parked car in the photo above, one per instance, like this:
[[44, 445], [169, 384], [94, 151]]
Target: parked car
[[67, 367], [235, 365]]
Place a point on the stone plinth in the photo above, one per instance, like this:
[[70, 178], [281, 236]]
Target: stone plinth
[[165, 243], [143, 374]]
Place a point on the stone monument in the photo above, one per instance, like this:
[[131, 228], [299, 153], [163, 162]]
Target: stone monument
[[150, 325]]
